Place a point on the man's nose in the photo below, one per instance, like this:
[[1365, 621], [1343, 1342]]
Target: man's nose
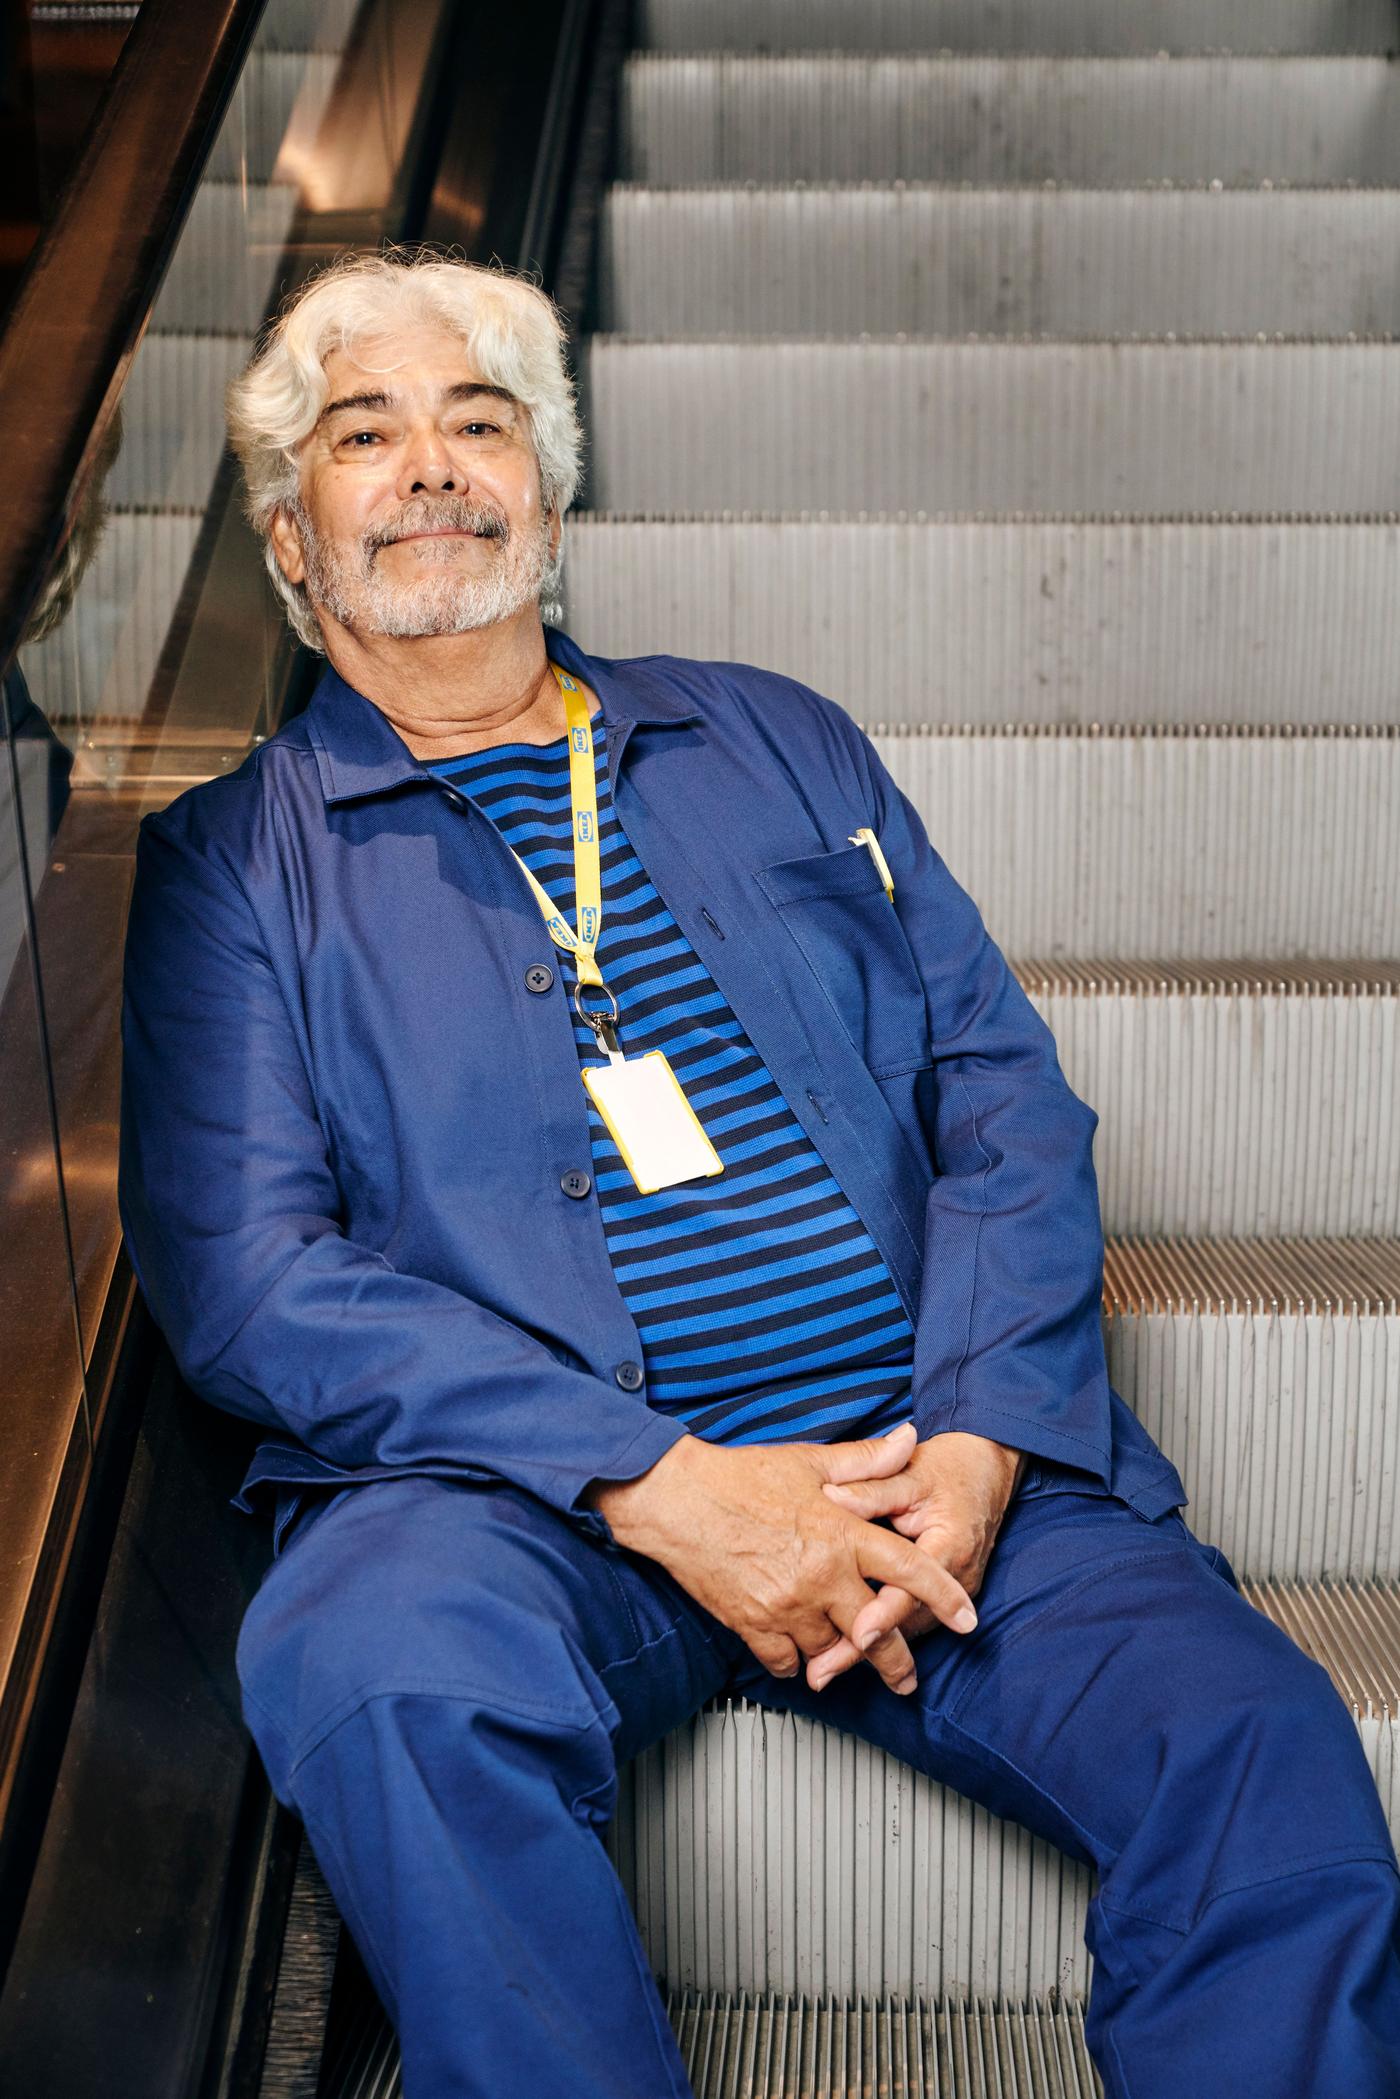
[[428, 467]]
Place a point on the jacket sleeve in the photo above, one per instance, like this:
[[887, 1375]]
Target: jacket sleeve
[[231, 1213], [1009, 1341]]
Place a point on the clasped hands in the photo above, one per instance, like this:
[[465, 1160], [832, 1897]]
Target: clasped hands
[[782, 1541]]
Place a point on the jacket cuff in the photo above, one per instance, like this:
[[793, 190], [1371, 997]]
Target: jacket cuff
[[1018, 1432], [657, 1434]]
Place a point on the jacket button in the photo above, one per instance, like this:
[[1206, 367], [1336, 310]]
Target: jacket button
[[630, 1376], [538, 977], [575, 1183]]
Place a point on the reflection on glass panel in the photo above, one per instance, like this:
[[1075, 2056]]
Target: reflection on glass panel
[[160, 656], [41, 1393]]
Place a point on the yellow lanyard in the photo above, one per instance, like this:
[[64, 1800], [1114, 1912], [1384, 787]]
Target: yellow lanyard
[[588, 878]]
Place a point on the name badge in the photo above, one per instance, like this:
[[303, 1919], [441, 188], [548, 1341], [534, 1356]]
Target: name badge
[[651, 1122]]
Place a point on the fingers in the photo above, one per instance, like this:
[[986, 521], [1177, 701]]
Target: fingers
[[869, 1497], [779, 1655], [887, 1650], [871, 1457], [883, 1556], [892, 1607]]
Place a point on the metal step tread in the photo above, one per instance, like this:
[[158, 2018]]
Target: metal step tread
[[1352, 1628], [1358, 1278], [1231, 978], [772, 2046], [1074, 27]]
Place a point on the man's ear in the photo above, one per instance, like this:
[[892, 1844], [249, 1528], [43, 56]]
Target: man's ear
[[286, 546]]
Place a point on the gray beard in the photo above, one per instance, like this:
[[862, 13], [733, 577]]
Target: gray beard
[[355, 592]]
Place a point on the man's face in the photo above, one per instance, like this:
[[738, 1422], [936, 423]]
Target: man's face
[[419, 510]]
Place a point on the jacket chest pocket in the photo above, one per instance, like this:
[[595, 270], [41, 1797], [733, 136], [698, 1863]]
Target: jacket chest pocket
[[835, 907]]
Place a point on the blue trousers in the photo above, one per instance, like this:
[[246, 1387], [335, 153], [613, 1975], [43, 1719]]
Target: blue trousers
[[442, 1680]]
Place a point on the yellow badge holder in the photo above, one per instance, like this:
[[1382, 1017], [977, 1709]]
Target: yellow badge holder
[[640, 1099]]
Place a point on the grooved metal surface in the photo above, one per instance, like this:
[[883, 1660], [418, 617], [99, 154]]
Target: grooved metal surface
[[224, 272], [1013, 621], [961, 428], [764, 1853], [760, 1851], [1161, 841], [173, 423], [1269, 1370], [1235, 1100], [1359, 1278], [877, 259], [274, 116], [785, 2047], [1092, 121], [1353, 1629], [1106, 27], [99, 664]]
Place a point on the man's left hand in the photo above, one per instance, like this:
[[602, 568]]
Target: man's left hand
[[950, 1499]]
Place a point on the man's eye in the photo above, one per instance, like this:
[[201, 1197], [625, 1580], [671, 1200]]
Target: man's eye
[[362, 438], [481, 426]]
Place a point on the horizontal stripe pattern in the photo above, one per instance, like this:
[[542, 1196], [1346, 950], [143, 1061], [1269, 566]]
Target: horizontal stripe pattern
[[765, 1310]]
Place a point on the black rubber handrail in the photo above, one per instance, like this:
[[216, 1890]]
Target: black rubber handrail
[[93, 277]]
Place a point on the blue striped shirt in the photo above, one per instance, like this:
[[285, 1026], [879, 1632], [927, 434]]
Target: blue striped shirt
[[764, 1309]]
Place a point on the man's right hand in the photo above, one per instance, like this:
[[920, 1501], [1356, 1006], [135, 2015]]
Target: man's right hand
[[746, 1530]]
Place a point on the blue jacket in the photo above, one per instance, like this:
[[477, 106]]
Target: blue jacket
[[345, 1119]]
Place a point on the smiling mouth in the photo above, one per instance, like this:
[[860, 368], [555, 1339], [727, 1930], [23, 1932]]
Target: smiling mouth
[[447, 532]]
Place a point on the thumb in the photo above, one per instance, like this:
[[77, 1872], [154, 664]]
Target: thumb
[[872, 1457]]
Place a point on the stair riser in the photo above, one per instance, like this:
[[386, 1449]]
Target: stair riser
[[1201, 845], [1026, 621], [1080, 429], [1097, 122], [100, 662], [1234, 1114], [269, 131], [761, 1852], [1107, 27], [1285, 1428], [173, 421], [1076, 265], [226, 268]]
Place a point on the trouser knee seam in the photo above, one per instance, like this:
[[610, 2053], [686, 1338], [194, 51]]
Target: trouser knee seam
[[452, 1691], [1292, 1868]]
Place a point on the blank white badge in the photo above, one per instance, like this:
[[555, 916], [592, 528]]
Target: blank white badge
[[651, 1122]]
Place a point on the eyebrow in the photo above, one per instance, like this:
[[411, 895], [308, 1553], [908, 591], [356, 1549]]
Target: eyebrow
[[375, 398]]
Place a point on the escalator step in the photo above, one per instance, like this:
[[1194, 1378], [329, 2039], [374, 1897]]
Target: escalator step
[[274, 116], [1105, 27], [1152, 430], [765, 1852], [794, 2047], [1235, 1099], [875, 260], [225, 272], [1268, 1368], [1089, 121], [951, 621], [1166, 841]]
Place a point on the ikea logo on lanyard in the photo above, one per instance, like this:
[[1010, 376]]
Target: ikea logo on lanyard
[[588, 924], [585, 826], [580, 739]]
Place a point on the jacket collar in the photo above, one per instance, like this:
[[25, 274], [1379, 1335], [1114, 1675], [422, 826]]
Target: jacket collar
[[360, 752]]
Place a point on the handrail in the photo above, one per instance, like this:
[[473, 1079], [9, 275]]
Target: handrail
[[86, 296]]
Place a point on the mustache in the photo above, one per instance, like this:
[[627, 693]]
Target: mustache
[[437, 514]]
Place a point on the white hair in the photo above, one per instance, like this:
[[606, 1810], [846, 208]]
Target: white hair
[[513, 332]]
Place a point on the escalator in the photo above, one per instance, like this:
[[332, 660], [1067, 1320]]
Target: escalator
[[1022, 376], [156, 1936]]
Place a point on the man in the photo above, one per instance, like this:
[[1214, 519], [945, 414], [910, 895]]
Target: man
[[573, 1106]]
